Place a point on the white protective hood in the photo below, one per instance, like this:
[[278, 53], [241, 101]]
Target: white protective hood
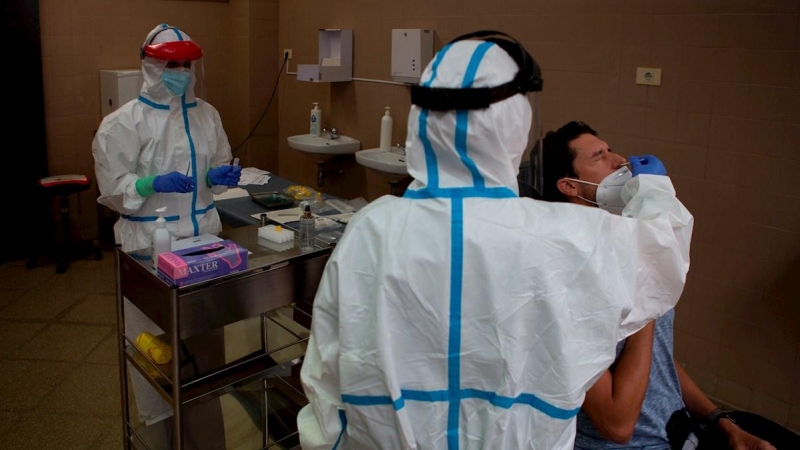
[[502, 129], [464, 317], [154, 135]]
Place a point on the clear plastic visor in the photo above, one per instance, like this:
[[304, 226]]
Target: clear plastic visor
[[531, 169]]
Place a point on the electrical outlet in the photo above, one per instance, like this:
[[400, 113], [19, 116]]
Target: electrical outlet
[[648, 75], [289, 51]]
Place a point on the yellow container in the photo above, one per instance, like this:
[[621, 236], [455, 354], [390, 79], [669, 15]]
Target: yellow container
[[155, 349]]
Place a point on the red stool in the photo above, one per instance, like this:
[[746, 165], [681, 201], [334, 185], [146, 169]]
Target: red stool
[[63, 186]]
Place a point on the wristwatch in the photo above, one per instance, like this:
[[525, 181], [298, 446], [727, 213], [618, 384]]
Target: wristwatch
[[718, 414]]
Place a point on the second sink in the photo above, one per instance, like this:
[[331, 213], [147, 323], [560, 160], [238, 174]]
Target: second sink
[[389, 162]]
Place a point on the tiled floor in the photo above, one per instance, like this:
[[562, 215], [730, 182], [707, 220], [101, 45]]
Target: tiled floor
[[59, 373], [59, 369]]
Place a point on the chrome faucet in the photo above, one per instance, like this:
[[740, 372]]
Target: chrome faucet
[[332, 134]]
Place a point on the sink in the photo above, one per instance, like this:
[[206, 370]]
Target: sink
[[324, 146], [389, 162]]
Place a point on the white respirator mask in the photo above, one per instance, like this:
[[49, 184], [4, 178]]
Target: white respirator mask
[[609, 190]]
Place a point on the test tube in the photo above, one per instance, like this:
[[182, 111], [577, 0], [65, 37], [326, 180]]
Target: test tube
[[236, 161]]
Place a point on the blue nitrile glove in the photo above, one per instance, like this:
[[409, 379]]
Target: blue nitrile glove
[[647, 164], [226, 175], [171, 182]]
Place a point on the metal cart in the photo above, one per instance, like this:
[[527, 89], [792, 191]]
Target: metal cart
[[277, 278]]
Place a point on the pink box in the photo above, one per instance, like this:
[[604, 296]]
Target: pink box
[[195, 264]]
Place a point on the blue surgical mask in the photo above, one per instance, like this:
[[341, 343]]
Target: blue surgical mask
[[176, 80]]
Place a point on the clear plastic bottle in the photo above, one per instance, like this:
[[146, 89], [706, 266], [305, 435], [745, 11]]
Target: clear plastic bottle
[[162, 240], [319, 206], [307, 230]]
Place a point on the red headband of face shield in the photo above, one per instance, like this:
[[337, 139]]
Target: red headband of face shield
[[173, 51]]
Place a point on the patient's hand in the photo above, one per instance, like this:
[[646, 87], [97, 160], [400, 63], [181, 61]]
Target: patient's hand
[[739, 439]]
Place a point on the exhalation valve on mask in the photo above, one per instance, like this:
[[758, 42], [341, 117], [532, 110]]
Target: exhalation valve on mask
[[609, 190]]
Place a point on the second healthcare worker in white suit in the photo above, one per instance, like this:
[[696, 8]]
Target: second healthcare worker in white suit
[[464, 317], [165, 148]]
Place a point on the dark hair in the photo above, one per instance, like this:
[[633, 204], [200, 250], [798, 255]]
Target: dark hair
[[557, 157]]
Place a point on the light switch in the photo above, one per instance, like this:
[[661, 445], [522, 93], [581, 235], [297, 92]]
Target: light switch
[[648, 75]]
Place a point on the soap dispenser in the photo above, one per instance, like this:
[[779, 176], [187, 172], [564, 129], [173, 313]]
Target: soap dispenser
[[316, 119], [162, 241], [386, 131]]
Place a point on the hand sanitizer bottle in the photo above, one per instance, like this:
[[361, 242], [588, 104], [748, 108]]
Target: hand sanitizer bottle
[[316, 119], [162, 241]]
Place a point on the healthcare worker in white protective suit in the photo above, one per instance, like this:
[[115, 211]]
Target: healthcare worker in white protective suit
[[463, 317], [165, 148]]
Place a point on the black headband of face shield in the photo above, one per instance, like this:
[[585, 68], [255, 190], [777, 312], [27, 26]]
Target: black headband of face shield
[[527, 79], [152, 38]]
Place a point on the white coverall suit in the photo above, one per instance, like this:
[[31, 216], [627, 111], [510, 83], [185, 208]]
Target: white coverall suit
[[154, 135], [464, 317]]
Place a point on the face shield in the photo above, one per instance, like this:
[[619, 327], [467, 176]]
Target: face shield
[[178, 77], [531, 169], [172, 59]]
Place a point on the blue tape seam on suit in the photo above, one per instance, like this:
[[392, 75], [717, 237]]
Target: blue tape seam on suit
[[454, 393]]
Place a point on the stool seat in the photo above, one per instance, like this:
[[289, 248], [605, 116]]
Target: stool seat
[[65, 184], [62, 186]]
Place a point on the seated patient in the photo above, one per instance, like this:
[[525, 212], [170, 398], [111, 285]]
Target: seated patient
[[630, 405]]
